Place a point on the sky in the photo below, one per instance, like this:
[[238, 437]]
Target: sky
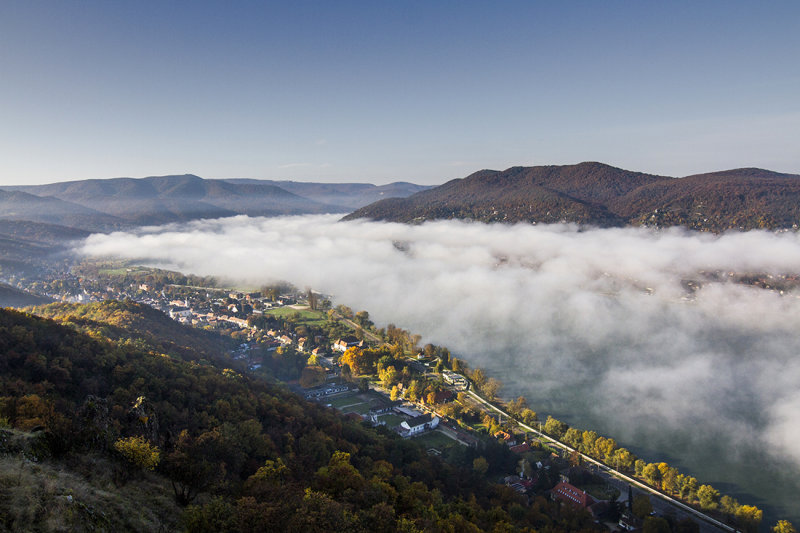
[[394, 91]]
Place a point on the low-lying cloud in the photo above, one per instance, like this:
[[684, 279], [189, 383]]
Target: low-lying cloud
[[596, 325]]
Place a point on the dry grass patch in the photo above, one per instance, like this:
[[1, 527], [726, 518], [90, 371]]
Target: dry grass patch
[[80, 495]]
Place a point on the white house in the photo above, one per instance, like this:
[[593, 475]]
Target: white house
[[179, 312], [341, 345], [419, 424]]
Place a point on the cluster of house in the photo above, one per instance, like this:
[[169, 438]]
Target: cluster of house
[[190, 317], [457, 380], [348, 341], [218, 312], [564, 491]]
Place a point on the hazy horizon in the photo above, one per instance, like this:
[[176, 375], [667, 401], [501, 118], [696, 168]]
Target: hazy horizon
[[374, 182]]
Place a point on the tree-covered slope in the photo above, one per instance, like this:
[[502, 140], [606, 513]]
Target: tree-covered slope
[[13, 297], [131, 322], [235, 452], [601, 195], [157, 200], [747, 198]]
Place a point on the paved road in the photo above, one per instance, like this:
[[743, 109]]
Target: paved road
[[663, 504]]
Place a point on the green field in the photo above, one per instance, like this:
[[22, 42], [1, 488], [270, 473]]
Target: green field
[[121, 271], [306, 315], [391, 420], [355, 407], [350, 404], [340, 401], [435, 439]]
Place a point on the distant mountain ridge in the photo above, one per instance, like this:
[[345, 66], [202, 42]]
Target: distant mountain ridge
[[601, 195], [350, 195], [120, 203]]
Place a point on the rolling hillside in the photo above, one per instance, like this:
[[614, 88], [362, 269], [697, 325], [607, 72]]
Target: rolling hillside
[[24, 206], [601, 195], [164, 199], [31, 246], [109, 433], [122, 203]]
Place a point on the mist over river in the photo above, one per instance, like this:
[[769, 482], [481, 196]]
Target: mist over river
[[639, 334]]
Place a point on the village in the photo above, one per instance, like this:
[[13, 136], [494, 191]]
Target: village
[[420, 393]]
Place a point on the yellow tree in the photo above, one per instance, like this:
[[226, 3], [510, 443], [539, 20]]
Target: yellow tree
[[138, 452], [750, 515], [784, 526], [352, 358]]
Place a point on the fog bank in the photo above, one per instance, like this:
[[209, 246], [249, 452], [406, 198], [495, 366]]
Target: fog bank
[[595, 320]]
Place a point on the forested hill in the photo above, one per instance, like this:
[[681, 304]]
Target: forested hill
[[119, 203], [112, 433], [602, 195], [13, 297], [141, 325]]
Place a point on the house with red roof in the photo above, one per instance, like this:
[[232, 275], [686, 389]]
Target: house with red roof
[[573, 495]]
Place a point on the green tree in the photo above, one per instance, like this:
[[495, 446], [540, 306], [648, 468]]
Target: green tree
[[345, 372], [688, 487], [480, 465], [642, 506], [478, 378], [604, 449], [653, 524], [623, 459], [528, 416], [652, 475], [312, 376], [491, 388], [670, 481], [516, 407], [709, 497], [588, 439], [728, 504], [362, 319], [190, 469], [216, 515], [555, 428], [572, 437]]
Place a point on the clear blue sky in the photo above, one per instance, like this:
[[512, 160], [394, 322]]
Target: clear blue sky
[[392, 90]]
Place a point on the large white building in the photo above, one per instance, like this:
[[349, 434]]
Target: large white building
[[419, 424]]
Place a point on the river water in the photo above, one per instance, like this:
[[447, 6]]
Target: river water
[[742, 469]]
